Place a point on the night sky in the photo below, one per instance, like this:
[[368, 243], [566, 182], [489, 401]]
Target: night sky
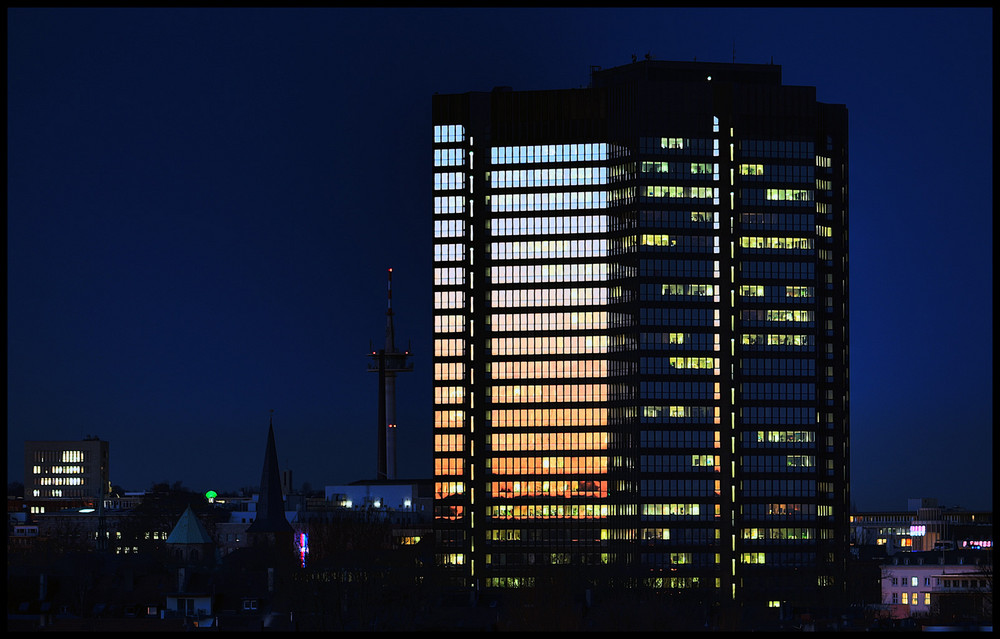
[[203, 205]]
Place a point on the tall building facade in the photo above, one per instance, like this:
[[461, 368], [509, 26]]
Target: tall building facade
[[641, 333], [66, 469]]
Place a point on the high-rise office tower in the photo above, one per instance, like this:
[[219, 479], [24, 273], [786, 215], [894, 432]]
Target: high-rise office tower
[[66, 469], [640, 333]]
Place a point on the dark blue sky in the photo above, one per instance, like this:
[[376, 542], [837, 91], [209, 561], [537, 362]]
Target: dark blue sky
[[202, 205]]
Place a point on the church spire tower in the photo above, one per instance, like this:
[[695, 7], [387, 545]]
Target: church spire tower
[[271, 504]]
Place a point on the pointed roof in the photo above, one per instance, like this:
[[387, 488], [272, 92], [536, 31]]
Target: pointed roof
[[189, 530], [271, 504]]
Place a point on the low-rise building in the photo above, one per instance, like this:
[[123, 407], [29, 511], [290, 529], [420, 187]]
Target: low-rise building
[[917, 583], [923, 526]]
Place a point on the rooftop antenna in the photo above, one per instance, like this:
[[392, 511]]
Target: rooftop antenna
[[388, 362]]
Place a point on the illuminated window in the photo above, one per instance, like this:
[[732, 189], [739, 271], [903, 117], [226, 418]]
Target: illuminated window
[[449, 133], [654, 167]]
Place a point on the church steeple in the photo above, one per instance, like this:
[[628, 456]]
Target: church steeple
[[271, 504]]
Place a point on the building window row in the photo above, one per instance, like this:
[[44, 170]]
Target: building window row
[[449, 204], [528, 298], [449, 181], [449, 419], [680, 169], [680, 488], [778, 487], [449, 276], [60, 481], [449, 370], [681, 243], [449, 347], [778, 463], [552, 369], [548, 488], [679, 390], [449, 299], [548, 511], [556, 225], [778, 221], [567, 176], [530, 442], [549, 273], [679, 268], [549, 153], [545, 393], [679, 341], [777, 149], [449, 133], [683, 192], [569, 200], [785, 437], [787, 366], [559, 465], [782, 511], [762, 316], [449, 228], [679, 146], [778, 391], [581, 321], [776, 197], [449, 252], [753, 270], [449, 442], [778, 415], [679, 463], [449, 394], [676, 510], [778, 243], [449, 157], [449, 466], [548, 417], [679, 219], [555, 345], [701, 317], [801, 173], [449, 323], [778, 342], [549, 249], [679, 365], [693, 291], [699, 414]]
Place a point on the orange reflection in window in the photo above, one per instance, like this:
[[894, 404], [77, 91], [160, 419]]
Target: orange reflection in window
[[444, 489], [449, 442], [555, 488], [549, 465], [548, 511], [449, 466], [549, 417], [453, 513], [548, 441]]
